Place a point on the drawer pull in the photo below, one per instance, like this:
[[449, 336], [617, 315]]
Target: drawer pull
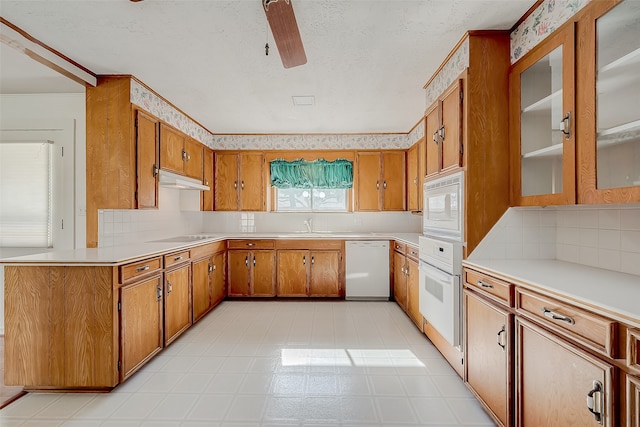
[[251, 244], [501, 335], [556, 316], [594, 401], [143, 268], [485, 285], [178, 258]]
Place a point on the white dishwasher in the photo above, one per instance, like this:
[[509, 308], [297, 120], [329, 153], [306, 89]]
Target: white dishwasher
[[367, 268]]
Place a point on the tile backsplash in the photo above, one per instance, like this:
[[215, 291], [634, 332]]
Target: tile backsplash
[[600, 236]]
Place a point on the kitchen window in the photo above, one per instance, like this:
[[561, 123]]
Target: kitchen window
[[315, 186], [26, 186]]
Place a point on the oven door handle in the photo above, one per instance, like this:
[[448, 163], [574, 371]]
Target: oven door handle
[[435, 273]]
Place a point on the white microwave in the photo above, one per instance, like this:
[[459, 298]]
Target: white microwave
[[443, 211]]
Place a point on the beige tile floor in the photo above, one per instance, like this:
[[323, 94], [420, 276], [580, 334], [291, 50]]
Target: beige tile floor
[[278, 363]]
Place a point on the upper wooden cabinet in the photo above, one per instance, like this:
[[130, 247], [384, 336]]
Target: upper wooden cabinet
[[415, 175], [180, 153], [239, 181], [381, 180], [207, 196], [542, 116], [608, 87], [444, 130], [147, 160]]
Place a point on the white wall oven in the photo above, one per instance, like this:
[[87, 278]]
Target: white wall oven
[[443, 210], [440, 287]]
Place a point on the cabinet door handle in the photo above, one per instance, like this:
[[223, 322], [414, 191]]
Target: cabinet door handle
[[595, 403], [178, 258], [557, 316], [377, 185], [384, 184], [441, 133], [211, 267], [170, 287], [565, 125], [158, 293], [143, 268], [242, 184], [313, 260], [304, 260], [501, 342], [254, 261], [435, 137], [415, 181], [485, 285], [246, 261], [156, 171], [235, 184]]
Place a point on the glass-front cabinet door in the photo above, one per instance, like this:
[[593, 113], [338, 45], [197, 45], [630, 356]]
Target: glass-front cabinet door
[[610, 160], [542, 123]]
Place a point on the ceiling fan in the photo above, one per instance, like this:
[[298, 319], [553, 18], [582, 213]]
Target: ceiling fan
[[284, 28]]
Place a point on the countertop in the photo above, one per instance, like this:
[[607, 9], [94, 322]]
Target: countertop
[[114, 255], [609, 293]]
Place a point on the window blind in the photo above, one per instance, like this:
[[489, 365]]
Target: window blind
[[25, 194]]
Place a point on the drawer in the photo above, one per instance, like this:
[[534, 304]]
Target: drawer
[[591, 330], [251, 244], [400, 247], [176, 258], [131, 271], [412, 252], [209, 249], [495, 289], [633, 350]]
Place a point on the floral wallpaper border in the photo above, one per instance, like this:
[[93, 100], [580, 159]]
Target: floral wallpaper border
[[446, 76], [151, 102], [543, 21]]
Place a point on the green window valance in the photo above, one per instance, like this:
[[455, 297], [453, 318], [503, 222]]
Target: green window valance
[[319, 173]]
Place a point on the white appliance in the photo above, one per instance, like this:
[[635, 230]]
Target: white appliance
[[440, 292], [443, 211], [367, 270]]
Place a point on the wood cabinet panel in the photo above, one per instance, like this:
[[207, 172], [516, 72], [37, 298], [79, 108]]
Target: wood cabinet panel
[[413, 179], [393, 181], [147, 142], [208, 180], [413, 293], [193, 158], [593, 331], [138, 269], [293, 270], [432, 124], [201, 287], [491, 287], [554, 379], [252, 188], [399, 280], [633, 401], [452, 127], [226, 182], [176, 258], [218, 278], [369, 185], [324, 278], [250, 244], [171, 149], [263, 272], [488, 355], [177, 303], [238, 273], [141, 323]]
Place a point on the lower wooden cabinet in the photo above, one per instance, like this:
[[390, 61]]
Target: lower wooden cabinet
[[251, 273], [208, 284], [558, 384], [141, 323], [488, 350], [413, 292], [177, 302], [304, 273], [406, 282], [399, 279]]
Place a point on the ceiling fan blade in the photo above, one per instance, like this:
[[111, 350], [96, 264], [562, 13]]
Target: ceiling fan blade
[[284, 28]]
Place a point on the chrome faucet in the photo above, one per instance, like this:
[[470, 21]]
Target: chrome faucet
[[309, 224]]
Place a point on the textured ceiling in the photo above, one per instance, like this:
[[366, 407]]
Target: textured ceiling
[[367, 60]]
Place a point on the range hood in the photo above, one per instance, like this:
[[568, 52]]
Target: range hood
[[173, 180]]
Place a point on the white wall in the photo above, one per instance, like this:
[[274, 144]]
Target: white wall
[[604, 236], [67, 108]]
